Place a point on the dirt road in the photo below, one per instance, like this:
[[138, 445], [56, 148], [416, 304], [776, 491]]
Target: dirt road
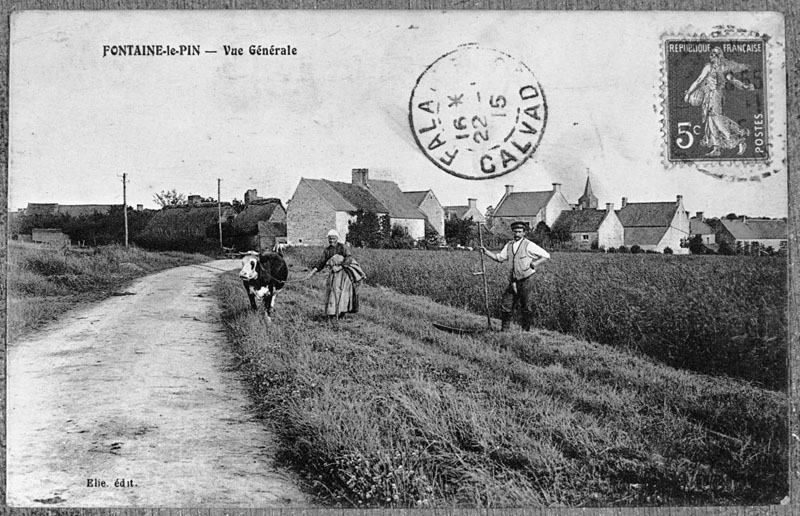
[[139, 390]]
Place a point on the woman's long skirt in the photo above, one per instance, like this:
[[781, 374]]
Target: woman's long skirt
[[340, 294]]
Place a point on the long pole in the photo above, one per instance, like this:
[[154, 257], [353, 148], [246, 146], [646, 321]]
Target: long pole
[[219, 210], [485, 283], [125, 204]]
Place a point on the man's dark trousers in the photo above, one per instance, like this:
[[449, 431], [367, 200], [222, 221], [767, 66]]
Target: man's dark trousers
[[524, 296]]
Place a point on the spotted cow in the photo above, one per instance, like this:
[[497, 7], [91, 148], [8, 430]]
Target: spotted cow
[[263, 275]]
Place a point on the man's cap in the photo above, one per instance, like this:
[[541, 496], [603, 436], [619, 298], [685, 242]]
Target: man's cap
[[518, 225]]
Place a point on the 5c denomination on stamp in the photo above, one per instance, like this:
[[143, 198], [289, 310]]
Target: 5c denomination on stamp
[[716, 100], [477, 113]]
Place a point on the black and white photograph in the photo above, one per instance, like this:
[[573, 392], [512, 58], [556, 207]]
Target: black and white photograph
[[398, 259]]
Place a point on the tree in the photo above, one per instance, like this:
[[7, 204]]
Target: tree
[[731, 216], [458, 231], [726, 249], [169, 198], [367, 230], [561, 232], [696, 245], [238, 205], [541, 235]]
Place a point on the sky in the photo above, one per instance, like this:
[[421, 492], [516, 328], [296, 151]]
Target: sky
[[79, 119]]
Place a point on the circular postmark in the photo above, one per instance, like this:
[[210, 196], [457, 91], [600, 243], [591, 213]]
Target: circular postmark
[[477, 113]]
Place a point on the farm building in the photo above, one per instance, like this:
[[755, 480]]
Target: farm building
[[319, 205], [187, 224], [465, 212], [654, 226], [259, 214], [699, 226], [529, 207], [73, 210], [748, 235], [429, 205], [589, 227], [49, 236]]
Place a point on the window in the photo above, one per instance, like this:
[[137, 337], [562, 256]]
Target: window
[[584, 237]]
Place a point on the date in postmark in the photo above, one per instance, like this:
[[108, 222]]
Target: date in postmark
[[477, 113], [716, 110]]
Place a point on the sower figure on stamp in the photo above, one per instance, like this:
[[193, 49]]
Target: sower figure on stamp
[[708, 91], [341, 293], [525, 257]]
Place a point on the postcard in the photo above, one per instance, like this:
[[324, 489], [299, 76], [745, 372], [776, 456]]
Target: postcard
[[397, 259]]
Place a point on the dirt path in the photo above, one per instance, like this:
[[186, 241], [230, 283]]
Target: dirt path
[[139, 389]]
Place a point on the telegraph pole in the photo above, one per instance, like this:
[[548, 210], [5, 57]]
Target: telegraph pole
[[125, 204], [219, 210]]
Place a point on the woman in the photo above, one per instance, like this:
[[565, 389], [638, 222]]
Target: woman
[[708, 91], [341, 295]]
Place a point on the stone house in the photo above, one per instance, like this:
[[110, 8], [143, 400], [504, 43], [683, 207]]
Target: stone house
[[699, 226], [592, 227], [654, 226], [267, 215], [529, 207], [464, 212], [429, 205], [747, 234], [319, 205]]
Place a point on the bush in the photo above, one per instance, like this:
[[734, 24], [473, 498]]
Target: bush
[[667, 250], [635, 249], [622, 249]]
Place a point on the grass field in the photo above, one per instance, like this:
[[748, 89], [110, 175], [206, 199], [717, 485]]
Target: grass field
[[44, 282], [382, 410], [713, 314]]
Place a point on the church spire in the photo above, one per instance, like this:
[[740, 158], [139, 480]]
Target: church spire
[[588, 201]]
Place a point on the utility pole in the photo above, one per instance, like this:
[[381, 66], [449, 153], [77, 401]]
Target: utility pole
[[219, 210], [125, 204]]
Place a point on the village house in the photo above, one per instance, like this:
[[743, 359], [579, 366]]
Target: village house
[[529, 207], [465, 212], [654, 226], [429, 205], [319, 205], [751, 236], [261, 224], [195, 221], [589, 227], [698, 226]]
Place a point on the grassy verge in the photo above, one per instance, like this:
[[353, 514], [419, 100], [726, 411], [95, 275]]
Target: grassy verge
[[711, 314], [381, 409], [44, 283]]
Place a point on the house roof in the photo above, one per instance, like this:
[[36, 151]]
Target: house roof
[[699, 227], [525, 204], [459, 211], [187, 219], [647, 214], [644, 235], [271, 228], [393, 198], [582, 220], [756, 229], [416, 198], [78, 210], [260, 210], [349, 197]]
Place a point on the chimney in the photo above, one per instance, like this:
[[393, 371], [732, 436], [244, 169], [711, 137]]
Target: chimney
[[140, 207], [700, 215], [472, 203], [250, 196], [556, 187], [624, 201], [680, 199], [194, 199], [609, 207], [509, 189], [361, 177]]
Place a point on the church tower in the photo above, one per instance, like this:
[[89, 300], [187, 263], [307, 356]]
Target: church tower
[[587, 201]]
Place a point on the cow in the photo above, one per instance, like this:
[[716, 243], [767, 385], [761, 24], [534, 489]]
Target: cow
[[263, 275]]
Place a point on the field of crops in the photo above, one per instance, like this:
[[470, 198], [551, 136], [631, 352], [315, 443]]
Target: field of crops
[[723, 315]]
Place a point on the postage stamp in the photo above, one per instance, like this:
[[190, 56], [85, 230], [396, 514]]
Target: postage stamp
[[477, 113], [716, 105]]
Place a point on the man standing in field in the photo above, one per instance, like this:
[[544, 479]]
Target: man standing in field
[[525, 257]]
